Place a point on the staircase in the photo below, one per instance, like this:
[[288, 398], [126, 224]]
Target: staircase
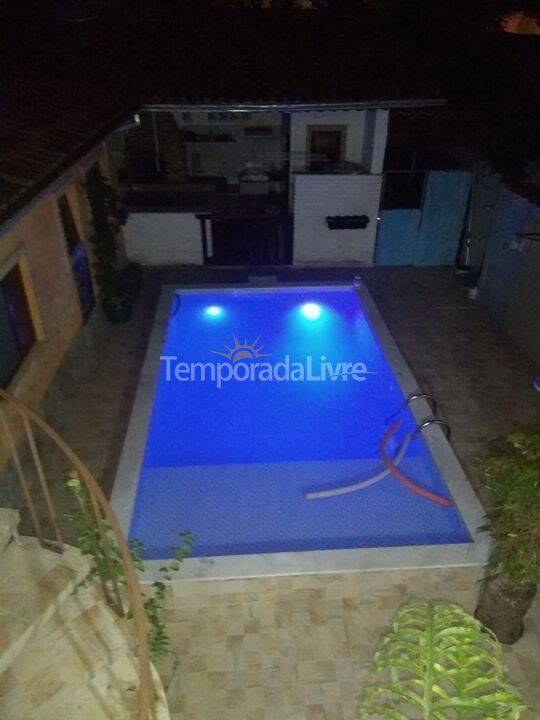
[[63, 652]]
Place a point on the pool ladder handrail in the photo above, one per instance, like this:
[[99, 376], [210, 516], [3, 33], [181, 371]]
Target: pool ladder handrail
[[434, 421], [415, 396]]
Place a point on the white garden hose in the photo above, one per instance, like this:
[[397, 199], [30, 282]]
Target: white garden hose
[[345, 489]]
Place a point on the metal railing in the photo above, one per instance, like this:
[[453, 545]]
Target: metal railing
[[17, 424]]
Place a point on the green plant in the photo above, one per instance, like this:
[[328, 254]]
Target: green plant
[[511, 472], [118, 284], [154, 606], [439, 663], [101, 545]]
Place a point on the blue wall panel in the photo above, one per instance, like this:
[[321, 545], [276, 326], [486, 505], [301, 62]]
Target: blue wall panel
[[443, 214], [396, 239], [431, 235]]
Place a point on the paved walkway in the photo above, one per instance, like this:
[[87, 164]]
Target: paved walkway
[[298, 647]]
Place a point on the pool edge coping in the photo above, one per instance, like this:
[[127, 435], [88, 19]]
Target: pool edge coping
[[124, 490]]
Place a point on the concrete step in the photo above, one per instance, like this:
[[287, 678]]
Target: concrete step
[[9, 524], [80, 665], [63, 652], [34, 582]]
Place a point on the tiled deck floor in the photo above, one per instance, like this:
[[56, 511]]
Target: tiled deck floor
[[295, 648]]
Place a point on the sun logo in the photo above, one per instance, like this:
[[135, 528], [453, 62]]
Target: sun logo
[[243, 351]]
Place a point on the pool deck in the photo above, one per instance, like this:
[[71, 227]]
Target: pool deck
[[296, 648]]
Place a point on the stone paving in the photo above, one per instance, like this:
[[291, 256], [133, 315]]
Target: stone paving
[[295, 648]]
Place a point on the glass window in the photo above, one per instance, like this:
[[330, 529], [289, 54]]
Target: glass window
[[68, 223], [17, 333], [78, 257]]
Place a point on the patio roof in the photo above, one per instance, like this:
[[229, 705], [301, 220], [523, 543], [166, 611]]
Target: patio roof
[[60, 100], [44, 131]]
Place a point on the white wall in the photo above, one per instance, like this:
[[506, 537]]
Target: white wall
[[163, 238], [317, 196], [378, 142]]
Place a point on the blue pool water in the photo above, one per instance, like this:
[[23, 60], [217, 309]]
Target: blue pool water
[[230, 459]]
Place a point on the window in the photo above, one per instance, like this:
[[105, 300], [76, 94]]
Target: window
[[71, 233], [78, 258], [17, 334], [325, 146]]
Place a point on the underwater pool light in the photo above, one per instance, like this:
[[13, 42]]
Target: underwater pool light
[[311, 311], [213, 311]]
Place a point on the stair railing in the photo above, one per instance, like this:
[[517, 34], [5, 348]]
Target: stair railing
[[17, 423]]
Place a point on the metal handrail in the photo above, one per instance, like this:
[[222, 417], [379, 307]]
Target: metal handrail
[[415, 396], [101, 508], [434, 421]]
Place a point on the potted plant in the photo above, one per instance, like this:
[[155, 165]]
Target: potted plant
[[118, 285], [439, 662], [119, 292], [511, 472]]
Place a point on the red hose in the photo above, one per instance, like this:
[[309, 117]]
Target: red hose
[[396, 472]]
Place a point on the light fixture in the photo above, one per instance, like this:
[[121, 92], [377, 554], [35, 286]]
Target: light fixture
[[311, 311], [213, 311]]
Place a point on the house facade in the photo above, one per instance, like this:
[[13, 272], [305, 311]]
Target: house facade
[[238, 187], [47, 289]]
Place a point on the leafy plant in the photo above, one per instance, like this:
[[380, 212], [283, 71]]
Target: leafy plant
[[101, 545], [154, 606], [439, 663], [118, 285], [512, 473]]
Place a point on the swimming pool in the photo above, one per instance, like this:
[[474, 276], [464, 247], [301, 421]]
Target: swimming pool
[[254, 399]]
